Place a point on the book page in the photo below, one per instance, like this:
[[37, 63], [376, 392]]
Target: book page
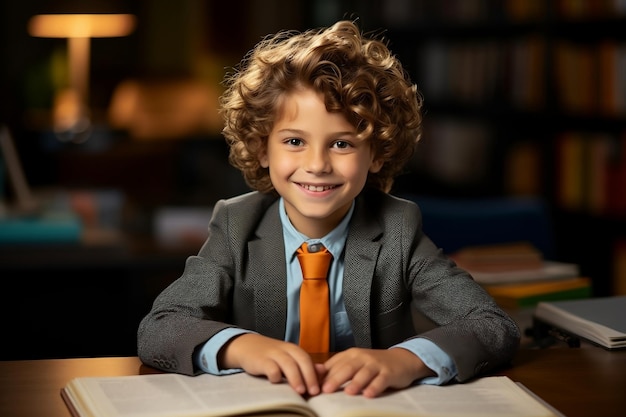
[[484, 397], [171, 395]]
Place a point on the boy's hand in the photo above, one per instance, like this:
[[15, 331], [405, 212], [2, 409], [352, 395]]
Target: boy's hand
[[370, 372], [275, 359]]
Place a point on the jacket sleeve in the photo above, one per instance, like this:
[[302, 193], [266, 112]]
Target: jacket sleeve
[[470, 327], [461, 317], [199, 303]]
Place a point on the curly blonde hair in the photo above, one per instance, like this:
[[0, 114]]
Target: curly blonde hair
[[358, 77]]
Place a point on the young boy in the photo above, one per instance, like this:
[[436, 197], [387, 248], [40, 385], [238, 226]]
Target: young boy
[[320, 123]]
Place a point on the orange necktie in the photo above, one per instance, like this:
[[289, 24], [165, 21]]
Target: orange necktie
[[314, 298]]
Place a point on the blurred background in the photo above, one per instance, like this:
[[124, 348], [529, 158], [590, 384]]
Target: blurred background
[[112, 156]]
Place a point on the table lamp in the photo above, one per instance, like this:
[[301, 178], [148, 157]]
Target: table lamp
[[71, 110]]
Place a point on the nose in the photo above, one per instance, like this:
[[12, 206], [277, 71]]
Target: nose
[[317, 160]]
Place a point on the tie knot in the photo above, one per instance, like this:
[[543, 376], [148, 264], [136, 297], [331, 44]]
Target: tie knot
[[314, 260], [313, 247]]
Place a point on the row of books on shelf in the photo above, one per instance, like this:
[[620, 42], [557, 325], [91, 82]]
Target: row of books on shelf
[[556, 297], [591, 172], [587, 9], [399, 12], [591, 78], [483, 71]]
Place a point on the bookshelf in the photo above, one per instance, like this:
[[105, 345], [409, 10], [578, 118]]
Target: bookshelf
[[522, 98]]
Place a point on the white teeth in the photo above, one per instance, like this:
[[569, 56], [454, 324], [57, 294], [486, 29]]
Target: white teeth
[[317, 188]]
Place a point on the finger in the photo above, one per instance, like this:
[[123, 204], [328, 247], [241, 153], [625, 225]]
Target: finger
[[321, 371], [370, 385], [301, 373], [362, 379], [312, 374], [374, 388], [338, 374], [336, 358], [291, 372], [271, 370]]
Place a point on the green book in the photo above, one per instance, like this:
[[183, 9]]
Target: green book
[[38, 229]]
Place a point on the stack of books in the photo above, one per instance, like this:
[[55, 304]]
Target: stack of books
[[530, 294], [518, 277]]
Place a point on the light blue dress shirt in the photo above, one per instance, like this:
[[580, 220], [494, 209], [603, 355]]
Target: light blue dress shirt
[[341, 331]]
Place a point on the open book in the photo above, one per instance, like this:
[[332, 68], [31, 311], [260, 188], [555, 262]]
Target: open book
[[174, 395]]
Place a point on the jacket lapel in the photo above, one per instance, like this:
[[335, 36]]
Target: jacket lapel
[[267, 269], [361, 253]]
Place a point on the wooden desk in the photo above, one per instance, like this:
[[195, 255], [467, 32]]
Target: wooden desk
[[577, 382], [581, 382]]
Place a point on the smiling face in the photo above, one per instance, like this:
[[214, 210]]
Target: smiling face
[[316, 162]]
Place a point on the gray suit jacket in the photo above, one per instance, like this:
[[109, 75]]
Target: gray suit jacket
[[239, 279]]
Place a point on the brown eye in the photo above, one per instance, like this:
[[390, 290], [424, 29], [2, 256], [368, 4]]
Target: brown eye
[[294, 141]]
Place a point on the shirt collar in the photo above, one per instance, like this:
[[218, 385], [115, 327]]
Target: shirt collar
[[333, 241]]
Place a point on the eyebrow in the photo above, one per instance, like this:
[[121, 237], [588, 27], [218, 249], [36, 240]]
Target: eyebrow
[[302, 132], [295, 131]]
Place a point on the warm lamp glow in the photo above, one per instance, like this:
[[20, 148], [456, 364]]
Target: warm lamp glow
[[81, 25], [71, 115]]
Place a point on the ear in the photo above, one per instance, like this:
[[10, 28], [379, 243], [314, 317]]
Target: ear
[[263, 159], [375, 166]]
